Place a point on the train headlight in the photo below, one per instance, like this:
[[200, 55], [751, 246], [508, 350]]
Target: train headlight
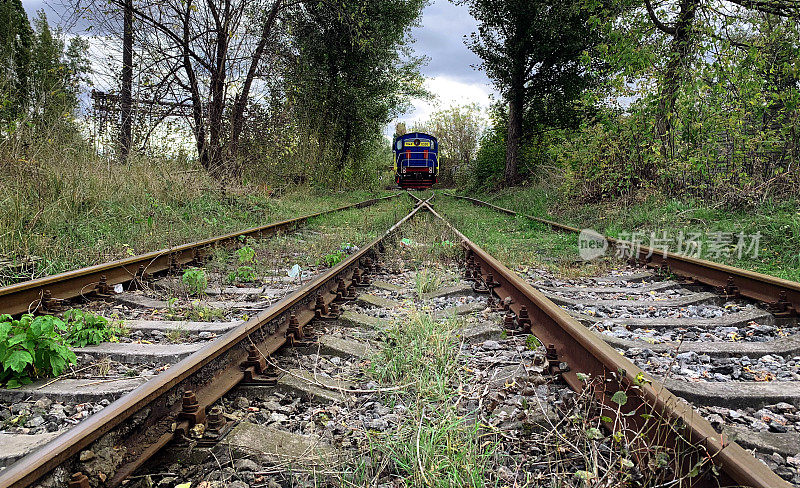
[[430, 170]]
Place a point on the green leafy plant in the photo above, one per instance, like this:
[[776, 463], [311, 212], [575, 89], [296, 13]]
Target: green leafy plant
[[243, 274], [532, 342], [246, 255], [32, 347], [195, 280], [87, 329], [172, 313], [332, 259]]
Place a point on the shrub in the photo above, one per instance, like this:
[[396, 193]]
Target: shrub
[[246, 255], [243, 274]]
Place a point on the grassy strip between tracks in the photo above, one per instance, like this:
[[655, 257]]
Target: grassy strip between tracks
[[434, 445], [776, 221], [518, 242]]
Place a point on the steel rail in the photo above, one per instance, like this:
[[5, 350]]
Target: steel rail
[[573, 349], [783, 296], [152, 415], [40, 293]]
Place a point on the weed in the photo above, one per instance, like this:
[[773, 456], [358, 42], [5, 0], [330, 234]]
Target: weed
[[172, 313], [243, 274], [87, 329], [246, 255], [195, 280], [426, 281], [176, 335], [32, 347], [532, 343], [332, 259], [203, 313], [434, 446]]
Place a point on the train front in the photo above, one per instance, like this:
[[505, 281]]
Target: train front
[[416, 160]]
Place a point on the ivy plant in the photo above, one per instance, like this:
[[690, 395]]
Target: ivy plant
[[31, 347]]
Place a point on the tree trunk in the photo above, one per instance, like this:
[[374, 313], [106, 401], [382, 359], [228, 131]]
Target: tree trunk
[[216, 104], [680, 49], [347, 144], [515, 108], [197, 103], [126, 89], [239, 106]]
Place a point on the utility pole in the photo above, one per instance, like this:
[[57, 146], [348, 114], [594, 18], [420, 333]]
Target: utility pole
[[126, 93]]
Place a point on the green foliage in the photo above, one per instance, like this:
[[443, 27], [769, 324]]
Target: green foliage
[[242, 274], [490, 159], [195, 280], [87, 329], [40, 74], [31, 347], [353, 74], [332, 259], [532, 343], [458, 129], [426, 280], [246, 255]]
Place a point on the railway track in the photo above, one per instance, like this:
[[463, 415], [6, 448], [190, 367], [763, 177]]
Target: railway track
[[187, 402], [725, 349]]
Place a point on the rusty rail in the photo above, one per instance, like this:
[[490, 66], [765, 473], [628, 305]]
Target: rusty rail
[[41, 293], [168, 406], [782, 296], [573, 349]]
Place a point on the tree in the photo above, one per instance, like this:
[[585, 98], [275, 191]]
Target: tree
[[352, 73], [683, 33], [206, 54], [535, 50], [42, 75], [16, 42], [458, 130]]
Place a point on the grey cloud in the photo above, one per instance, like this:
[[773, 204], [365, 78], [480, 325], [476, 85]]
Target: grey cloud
[[441, 38]]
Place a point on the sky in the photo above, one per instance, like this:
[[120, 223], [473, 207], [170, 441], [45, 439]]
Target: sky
[[450, 73], [440, 36]]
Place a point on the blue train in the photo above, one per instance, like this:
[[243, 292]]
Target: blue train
[[416, 160]]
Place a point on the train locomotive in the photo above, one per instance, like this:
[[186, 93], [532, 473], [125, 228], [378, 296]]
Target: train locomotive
[[416, 160]]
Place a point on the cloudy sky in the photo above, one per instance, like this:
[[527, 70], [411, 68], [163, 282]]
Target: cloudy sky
[[450, 74], [440, 37]]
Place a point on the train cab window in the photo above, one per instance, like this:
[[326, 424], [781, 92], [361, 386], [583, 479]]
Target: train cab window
[[399, 144]]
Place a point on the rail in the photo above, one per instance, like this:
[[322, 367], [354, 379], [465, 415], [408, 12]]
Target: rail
[[574, 349], [146, 419], [41, 293], [782, 296]]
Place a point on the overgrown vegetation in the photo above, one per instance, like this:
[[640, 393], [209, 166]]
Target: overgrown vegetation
[[434, 446], [775, 221], [68, 212], [195, 280], [87, 329], [31, 347]]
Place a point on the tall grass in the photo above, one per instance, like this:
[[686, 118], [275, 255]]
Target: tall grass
[[69, 207]]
